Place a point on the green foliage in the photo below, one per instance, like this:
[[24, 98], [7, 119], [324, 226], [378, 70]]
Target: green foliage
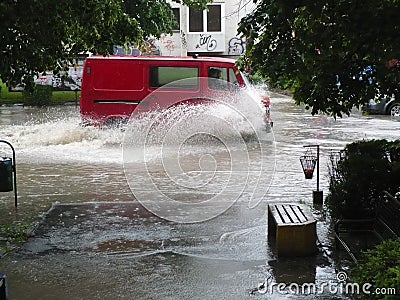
[[256, 78], [365, 170], [42, 35], [57, 97], [39, 96], [15, 233], [155, 16], [380, 267], [322, 48]]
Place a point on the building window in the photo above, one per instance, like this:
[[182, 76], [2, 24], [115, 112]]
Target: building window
[[209, 20], [177, 25], [195, 20], [214, 18]]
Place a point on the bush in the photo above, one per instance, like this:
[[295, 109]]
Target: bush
[[364, 171], [380, 267], [40, 96]]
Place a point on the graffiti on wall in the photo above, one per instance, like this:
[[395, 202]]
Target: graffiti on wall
[[183, 40], [236, 46], [168, 43], [206, 41], [148, 47]]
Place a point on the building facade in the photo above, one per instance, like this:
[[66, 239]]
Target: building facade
[[211, 32]]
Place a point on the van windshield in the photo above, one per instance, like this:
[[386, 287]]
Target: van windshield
[[245, 79]]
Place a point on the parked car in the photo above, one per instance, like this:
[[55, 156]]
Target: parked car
[[385, 106]]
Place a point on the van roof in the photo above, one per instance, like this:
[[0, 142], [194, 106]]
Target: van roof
[[171, 58]]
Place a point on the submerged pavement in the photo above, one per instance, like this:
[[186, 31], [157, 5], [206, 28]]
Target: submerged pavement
[[119, 250], [95, 249]]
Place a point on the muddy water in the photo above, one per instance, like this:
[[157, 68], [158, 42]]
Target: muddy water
[[98, 241]]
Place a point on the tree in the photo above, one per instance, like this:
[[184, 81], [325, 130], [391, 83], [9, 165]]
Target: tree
[[43, 35], [335, 54]]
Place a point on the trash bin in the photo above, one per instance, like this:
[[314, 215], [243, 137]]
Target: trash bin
[[6, 176]]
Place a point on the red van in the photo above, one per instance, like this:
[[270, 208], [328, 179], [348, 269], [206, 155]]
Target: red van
[[113, 86]]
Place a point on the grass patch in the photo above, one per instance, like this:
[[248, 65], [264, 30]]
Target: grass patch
[[11, 236], [16, 233], [57, 98]]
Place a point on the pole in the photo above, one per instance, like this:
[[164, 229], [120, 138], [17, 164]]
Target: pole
[[317, 167], [317, 195]]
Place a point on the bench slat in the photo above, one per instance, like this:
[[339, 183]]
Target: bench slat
[[291, 214], [282, 214], [288, 214], [299, 213]]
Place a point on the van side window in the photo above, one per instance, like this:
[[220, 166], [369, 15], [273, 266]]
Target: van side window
[[172, 75]]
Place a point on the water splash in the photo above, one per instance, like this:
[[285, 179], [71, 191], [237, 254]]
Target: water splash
[[197, 160], [54, 135]]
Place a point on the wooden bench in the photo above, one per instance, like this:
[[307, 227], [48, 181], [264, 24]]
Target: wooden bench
[[385, 225], [294, 229]]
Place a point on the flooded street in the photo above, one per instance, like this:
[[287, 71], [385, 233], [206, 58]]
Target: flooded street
[[178, 220]]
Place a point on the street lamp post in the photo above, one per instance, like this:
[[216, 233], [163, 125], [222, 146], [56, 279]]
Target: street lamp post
[[308, 163]]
